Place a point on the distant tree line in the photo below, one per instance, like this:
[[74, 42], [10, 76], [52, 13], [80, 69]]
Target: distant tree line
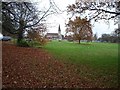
[[112, 38]]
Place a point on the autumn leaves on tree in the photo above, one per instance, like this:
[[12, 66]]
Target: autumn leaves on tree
[[81, 29]]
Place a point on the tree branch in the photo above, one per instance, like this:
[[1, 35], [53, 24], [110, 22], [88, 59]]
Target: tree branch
[[117, 13], [39, 19]]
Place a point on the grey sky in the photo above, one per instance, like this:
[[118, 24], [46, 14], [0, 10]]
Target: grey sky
[[53, 21]]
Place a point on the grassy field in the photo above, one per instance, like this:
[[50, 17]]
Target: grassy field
[[96, 62]]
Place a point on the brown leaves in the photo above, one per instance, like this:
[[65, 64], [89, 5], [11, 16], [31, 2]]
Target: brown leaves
[[35, 68]]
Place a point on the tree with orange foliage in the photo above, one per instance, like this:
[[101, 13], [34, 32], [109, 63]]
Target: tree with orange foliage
[[81, 29], [37, 34]]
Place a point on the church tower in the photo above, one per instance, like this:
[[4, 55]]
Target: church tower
[[59, 30], [59, 33]]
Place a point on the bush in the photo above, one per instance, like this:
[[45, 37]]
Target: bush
[[43, 41], [34, 43], [23, 43], [14, 41]]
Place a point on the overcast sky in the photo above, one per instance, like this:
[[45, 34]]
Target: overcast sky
[[54, 20]]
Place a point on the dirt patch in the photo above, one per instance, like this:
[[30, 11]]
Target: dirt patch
[[35, 68]]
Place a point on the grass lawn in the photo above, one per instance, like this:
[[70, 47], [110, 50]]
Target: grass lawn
[[95, 62]]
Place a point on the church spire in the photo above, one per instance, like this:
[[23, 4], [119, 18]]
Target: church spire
[[59, 30], [59, 33]]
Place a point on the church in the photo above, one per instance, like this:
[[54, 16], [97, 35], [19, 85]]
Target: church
[[55, 36]]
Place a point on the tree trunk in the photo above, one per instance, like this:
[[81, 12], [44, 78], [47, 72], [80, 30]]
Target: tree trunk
[[79, 41], [20, 36], [20, 31]]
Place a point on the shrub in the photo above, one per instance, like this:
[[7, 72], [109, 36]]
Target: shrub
[[33, 43], [23, 43], [14, 41], [43, 41]]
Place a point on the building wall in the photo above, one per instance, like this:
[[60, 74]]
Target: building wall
[[52, 36]]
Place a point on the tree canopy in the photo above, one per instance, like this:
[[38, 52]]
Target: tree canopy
[[81, 29]]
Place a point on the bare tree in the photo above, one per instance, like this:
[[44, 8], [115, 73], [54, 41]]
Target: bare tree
[[96, 10], [19, 16]]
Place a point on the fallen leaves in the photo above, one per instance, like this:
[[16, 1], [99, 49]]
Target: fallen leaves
[[35, 68]]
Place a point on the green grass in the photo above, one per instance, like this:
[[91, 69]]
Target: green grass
[[96, 62]]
